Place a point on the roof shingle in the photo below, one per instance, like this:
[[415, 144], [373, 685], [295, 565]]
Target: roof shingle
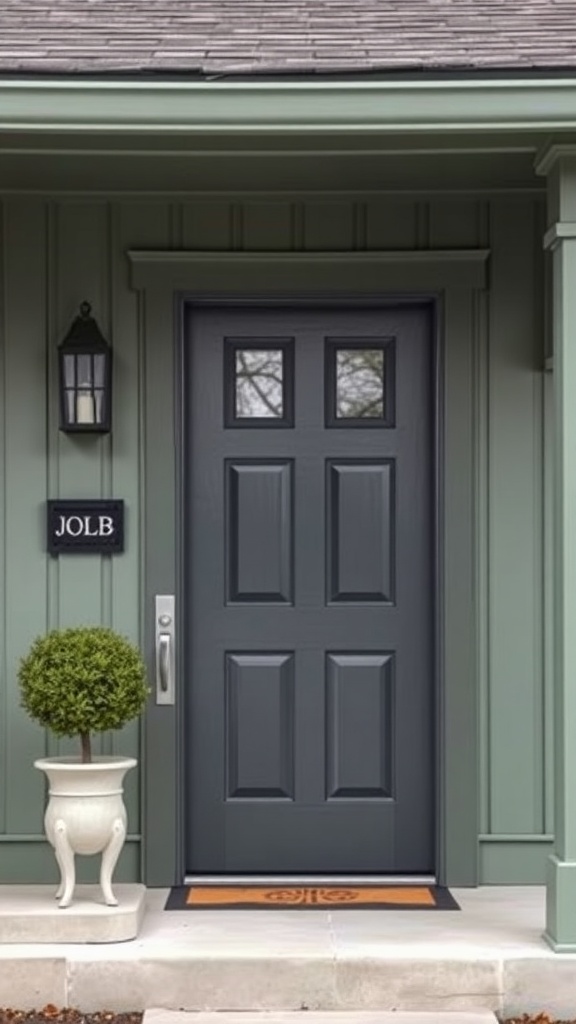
[[216, 37]]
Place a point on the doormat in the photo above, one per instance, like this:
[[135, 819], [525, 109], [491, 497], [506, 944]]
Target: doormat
[[310, 897]]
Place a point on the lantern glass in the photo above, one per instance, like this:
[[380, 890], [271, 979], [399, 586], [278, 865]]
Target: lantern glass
[[69, 371], [99, 371], [84, 374], [85, 377]]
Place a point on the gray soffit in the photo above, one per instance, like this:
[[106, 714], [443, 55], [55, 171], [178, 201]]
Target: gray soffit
[[244, 37]]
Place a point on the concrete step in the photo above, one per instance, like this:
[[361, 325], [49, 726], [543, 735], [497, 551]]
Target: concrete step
[[300, 982], [30, 914], [158, 1016], [291, 967]]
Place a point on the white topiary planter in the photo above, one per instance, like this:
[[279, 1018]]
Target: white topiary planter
[[86, 815]]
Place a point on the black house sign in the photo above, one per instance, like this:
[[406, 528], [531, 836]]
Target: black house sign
[[85, 527]]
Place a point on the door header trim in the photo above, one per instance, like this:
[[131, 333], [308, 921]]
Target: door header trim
[[306, 272]]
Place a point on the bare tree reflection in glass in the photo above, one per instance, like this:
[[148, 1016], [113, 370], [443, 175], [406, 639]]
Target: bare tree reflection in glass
[[360, 383], [259, 383]]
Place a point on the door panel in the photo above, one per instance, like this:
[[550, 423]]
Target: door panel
[[259, 531], [360, 525], [260, 688], [359, 703], [309, 533]]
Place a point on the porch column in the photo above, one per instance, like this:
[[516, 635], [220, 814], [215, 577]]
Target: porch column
[[559, 164]]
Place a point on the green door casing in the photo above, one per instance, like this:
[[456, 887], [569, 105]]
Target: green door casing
[[309, 533]]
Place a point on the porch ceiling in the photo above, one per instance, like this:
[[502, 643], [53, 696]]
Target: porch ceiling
[[341, 136], [283, 170], [295, 162]]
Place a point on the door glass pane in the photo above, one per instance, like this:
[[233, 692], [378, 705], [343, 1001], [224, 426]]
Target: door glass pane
[[360, 383], [259, 383]]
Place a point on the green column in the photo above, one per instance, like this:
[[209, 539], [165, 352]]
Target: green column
[[560, 166]]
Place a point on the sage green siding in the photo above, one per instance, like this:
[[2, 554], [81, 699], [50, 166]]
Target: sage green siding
[[56, 252]]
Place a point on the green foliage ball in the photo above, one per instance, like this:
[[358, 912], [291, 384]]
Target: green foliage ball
[[83, 680]]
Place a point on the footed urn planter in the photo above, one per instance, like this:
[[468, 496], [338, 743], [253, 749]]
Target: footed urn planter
[[86, 815]]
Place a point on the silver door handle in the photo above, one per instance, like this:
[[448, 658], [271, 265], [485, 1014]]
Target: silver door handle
[[164, 662], [165, 629]]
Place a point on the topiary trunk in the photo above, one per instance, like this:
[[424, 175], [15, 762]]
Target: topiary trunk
[[86, 748]]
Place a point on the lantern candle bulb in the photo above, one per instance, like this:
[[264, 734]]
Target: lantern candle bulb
[[85, 412]]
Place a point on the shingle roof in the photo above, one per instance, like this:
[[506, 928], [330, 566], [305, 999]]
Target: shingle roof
[[246, 36]]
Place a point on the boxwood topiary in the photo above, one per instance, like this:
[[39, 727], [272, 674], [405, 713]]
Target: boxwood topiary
[[83, 680]]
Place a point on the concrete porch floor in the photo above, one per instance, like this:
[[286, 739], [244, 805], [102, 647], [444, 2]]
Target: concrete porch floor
[[488, 956]]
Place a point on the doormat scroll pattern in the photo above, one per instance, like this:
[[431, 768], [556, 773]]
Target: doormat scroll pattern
[[310, 897]]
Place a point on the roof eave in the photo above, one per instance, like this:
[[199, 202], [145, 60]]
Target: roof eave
[[167, 106]]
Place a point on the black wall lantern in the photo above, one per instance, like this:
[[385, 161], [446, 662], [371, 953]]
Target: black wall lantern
[[85, 365]]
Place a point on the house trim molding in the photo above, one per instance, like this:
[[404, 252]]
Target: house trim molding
[[453, 281], [163, 106], [559, 232], [431, 269]]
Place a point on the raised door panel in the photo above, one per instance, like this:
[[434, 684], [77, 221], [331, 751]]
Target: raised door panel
[[260, 692]]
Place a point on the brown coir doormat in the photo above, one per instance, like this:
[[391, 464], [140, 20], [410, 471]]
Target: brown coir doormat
[[310, 897]]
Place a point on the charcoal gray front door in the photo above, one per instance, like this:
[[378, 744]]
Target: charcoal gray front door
[[308, 569]]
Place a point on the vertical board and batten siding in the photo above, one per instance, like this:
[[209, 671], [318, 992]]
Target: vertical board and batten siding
[[56, 252]]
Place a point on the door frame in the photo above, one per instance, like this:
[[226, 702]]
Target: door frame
[[454, 283]]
